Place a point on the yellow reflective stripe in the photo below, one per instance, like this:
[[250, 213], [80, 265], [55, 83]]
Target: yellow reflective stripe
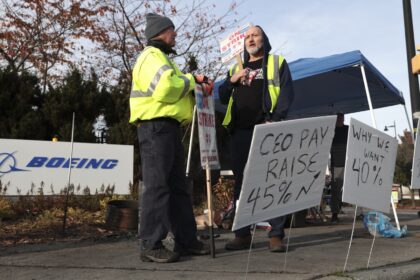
[[233, 69], [276, 68], [139, 93], [272, 83], [156, 78], [153, 83], [186, 86], [228, 115], [274, 64]]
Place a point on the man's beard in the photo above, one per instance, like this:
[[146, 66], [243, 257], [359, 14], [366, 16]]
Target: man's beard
[[254, 50]]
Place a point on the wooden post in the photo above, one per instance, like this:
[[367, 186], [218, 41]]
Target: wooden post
[[210, 208], [239, 61]]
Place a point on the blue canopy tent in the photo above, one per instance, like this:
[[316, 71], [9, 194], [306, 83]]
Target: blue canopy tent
[[334, 83], [331, 84]]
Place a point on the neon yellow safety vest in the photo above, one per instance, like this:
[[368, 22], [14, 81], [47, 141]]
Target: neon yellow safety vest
[[160, 89], [273, 77]]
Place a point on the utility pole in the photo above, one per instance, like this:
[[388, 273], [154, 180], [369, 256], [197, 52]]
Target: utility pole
[[411, 52]]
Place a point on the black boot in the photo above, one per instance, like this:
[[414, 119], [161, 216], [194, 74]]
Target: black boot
[[334, 218]]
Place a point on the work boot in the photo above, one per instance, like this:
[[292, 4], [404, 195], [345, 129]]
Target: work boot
[[239, 243], [159, 255], [276, 245], [334, 218], [196, 248]]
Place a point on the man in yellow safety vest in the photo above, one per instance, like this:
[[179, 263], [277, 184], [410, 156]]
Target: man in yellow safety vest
[[261, 92], [161, 100]]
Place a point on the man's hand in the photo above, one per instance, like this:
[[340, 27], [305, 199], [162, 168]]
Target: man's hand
[[207, 87], [201, 79], [206, 84], [239, 76]]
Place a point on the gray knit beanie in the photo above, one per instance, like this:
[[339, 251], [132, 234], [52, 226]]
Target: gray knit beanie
[[155, 24]]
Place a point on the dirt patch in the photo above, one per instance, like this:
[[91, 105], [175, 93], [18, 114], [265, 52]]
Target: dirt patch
[[48, 227]]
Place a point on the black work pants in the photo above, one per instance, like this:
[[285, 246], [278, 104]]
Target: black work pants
[[337, 189], [241, 144], [165, 202]]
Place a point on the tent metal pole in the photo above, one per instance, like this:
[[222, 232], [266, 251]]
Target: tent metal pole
[[372, 115], [362, 68]]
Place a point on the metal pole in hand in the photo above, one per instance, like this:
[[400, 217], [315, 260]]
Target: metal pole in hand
[[187, 172], [210, 208]]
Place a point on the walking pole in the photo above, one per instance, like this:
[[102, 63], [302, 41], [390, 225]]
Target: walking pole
[[187, 172], [210, 208]]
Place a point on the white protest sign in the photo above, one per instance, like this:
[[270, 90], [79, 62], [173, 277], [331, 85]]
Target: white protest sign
[[286, 168], [206, 129], [27, 162], [370, 163], [234, 44], [415, 174]]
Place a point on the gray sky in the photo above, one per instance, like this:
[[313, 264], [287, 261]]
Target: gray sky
[[305, 28]]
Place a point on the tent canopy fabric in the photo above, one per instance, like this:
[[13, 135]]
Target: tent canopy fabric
[[332, 84]]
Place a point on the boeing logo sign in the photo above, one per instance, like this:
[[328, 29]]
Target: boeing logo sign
[[61, 162], [8, 163], [25, 164]]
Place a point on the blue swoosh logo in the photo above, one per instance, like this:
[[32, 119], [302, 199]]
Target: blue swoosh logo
[[8, 163]]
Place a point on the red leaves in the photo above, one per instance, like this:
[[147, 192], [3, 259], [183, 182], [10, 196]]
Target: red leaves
[[42, 33]]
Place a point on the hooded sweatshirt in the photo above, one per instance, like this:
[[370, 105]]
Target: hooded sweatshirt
[[251, 104]]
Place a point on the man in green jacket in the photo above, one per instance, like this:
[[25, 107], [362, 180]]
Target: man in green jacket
[[160, 101]]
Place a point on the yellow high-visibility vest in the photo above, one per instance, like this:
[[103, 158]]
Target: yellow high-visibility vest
[[160, 89], [273, 78]]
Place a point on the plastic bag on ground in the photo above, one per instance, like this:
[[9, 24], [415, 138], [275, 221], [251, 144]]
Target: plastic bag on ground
[[377, 221]]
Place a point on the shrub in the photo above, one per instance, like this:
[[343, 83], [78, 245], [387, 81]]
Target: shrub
[[6, 211]]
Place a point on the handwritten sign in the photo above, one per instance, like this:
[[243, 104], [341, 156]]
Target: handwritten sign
[[234, 44], [415, 176], [370, 164], [206, 129], [286, 168]]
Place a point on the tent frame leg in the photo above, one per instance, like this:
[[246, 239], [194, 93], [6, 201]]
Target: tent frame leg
[[362, 68]]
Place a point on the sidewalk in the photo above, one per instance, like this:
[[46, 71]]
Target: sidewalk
[[316, 252]]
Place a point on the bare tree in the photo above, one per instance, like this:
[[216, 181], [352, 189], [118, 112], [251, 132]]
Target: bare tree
[[196, 24], [47, 37]]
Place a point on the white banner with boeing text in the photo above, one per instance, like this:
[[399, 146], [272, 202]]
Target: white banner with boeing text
[[206, 129], [286, 168], [27, 162]]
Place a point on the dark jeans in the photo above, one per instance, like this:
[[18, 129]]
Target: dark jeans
[[241, 144], [337, 189], [165, 202]]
